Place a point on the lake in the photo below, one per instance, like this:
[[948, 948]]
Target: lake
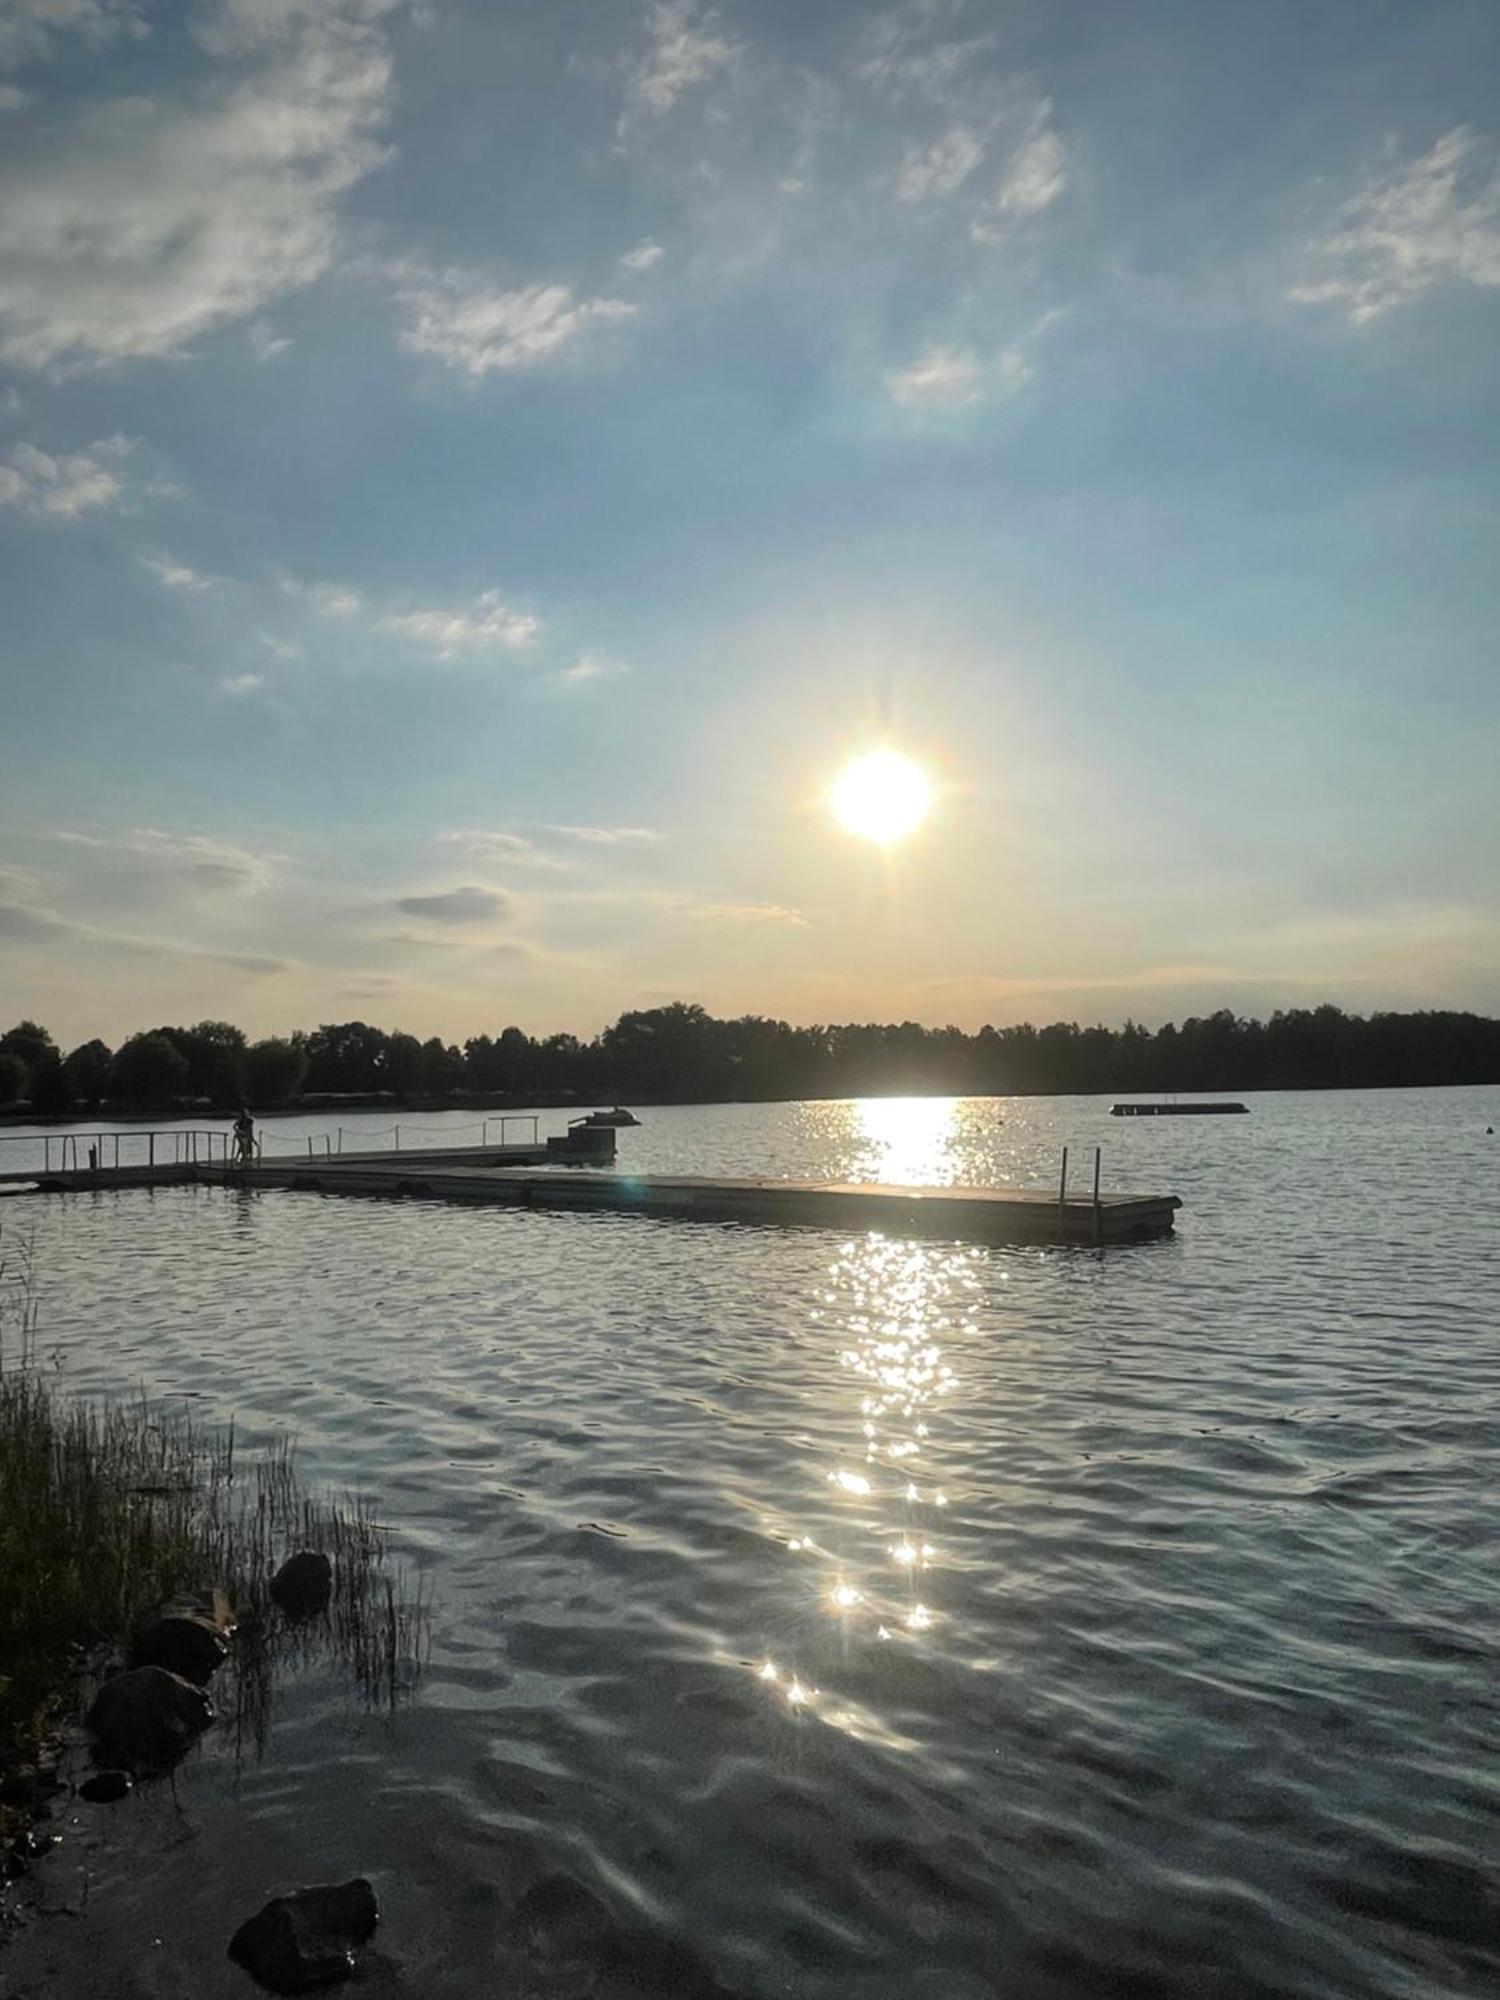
[[855, 1618]]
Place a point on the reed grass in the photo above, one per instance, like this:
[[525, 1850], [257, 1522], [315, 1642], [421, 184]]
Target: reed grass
[[108, 1510]]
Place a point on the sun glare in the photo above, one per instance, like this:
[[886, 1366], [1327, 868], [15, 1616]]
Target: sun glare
[[881, 796]]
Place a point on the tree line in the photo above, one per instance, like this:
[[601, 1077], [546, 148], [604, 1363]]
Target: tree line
[[680, 1053]]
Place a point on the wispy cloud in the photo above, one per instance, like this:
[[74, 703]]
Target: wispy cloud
[[467, 905], [1034, 177], [242, 684], [283, 649], [265, 343], [469, 323], [485, 626], [150, 220], [684, 46], [63, 485], [644, 257], [941, 167], [177, 576], [28, 28], [27, 924], [197, 860], [602, 836], [956, 378], [588, 669], [500, 848], [745, 913], [329, 600], [1421, 223]]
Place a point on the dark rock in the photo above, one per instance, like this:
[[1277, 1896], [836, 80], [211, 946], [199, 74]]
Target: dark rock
[[146, 1718], [189, 1636], [303, 1585], [105, 1787], [300, 1942]]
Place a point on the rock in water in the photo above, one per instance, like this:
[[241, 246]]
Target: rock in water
[[105, 1787], [303, 1584], [146, 1718], [300, 1942], [189, 1636]]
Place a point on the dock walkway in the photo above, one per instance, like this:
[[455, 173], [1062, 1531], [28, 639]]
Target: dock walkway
[[530, 1177]]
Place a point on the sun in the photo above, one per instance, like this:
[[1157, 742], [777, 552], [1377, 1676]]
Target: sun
[[881, 796]]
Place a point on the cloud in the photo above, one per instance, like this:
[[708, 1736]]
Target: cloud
[[242, 684], [589, 668], [909, 55], [28, 28], [151, 220], [198, 860], [746, 913], [504, 849], [602, 836], [177, 576], [66, 485], [265, 342], [20, 924], [942, 167], [683, 47], [471, 325], [956, 378], [1429, 221], [329, 600], [284, 649], [487, 625], [644, 257], [1036, 174], [468, 905]]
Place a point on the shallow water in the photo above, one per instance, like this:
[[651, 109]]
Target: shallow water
[[852, 1617]]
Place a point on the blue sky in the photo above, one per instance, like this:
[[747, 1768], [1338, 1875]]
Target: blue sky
[[470, 474]]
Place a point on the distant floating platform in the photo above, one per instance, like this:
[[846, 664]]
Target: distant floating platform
[[1199, 1109]]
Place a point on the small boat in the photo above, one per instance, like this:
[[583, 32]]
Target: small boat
[[595, 1119]]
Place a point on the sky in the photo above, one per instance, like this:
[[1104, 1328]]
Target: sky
[[472, 473]]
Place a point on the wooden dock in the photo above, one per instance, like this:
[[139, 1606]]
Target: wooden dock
[[515, 1177]]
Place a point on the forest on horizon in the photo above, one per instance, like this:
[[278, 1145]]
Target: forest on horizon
[[680, 1053]]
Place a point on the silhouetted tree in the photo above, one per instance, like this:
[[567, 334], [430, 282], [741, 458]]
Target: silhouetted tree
[[273, 1071], [48, 1090], [12, 1077], [148, 1071], [29, 1043], [88, 1071]]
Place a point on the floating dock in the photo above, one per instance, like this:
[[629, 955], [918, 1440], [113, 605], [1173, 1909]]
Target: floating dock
[[575, 1170], [1201, 1109], [488, 1177]]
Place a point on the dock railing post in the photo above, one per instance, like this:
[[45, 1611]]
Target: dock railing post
[[1062, 1198], [150, 1149], [309, 1145], [1098, 1217], [398, 1138]]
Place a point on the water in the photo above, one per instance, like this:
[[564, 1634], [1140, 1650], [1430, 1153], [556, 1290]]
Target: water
[[851, 1617]]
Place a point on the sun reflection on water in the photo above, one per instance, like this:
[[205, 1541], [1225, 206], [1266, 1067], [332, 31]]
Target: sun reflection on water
[[906, 1141], [876, 1565]]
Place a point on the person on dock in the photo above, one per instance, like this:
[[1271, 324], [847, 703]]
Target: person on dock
[[244, 1138]]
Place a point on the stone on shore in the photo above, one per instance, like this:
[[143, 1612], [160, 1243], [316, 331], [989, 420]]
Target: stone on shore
[[300, 1942], [303, 1585], [146, 1718], [105, 1787], [189, 1636]]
